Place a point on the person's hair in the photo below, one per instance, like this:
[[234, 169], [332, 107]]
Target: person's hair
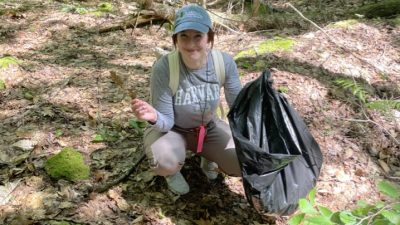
[[210, 36]]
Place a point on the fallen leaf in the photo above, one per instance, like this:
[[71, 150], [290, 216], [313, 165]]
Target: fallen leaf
[[121, 202], [25, 145], [6, 190], [348, 153], [138, 219], [384, 166]]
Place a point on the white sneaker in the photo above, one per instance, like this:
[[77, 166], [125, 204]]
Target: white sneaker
[[177, 184], [210, 169]]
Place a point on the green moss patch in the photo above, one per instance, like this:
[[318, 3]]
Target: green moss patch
[[68, 165], [268, 46], [344, 23], [7, 61]]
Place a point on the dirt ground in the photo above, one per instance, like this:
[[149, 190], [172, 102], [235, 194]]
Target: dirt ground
[[61, 94]]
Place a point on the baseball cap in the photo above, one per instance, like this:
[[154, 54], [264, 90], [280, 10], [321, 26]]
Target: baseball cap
[[192, 17]]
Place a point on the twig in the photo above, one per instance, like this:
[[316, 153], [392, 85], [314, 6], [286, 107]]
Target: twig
[[222, 17], [377, 69], [136, 22], [370, 217], [105, 187], [228, 28], [302, 16], [260, 31]]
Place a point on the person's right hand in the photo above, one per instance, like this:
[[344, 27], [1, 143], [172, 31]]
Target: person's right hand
[[144, 111]]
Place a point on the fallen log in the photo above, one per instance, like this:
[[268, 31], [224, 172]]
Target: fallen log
[[155, 13]]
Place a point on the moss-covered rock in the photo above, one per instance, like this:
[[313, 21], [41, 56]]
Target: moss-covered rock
[[68, 165], [344, 23], [268, 46]]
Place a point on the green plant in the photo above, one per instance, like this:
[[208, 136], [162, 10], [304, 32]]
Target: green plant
[[74, 9], [105, 7], [283, 89], [58, 133], [106, 135], [380, 213], [138, 125], [384, 105], [356, 89], [8, 61], [2, 85]]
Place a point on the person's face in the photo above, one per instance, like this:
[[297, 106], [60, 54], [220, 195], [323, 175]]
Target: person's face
[[192, 45]]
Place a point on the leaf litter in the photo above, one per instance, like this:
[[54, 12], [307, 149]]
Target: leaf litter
[[73, 96]]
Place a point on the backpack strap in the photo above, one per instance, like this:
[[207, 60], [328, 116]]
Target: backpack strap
[[219, 66], [173, 61]]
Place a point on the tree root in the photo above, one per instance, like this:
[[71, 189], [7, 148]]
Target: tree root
[[104, 187]]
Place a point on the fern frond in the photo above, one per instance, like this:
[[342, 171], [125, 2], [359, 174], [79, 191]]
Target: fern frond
[[384, 105], [356, 89]]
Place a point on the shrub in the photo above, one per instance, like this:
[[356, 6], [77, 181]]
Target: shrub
[[380, 213]]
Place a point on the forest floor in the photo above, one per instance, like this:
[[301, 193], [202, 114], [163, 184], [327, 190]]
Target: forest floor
[[59, 93]]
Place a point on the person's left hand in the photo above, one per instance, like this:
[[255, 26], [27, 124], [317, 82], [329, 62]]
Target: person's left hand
[[144, 111]]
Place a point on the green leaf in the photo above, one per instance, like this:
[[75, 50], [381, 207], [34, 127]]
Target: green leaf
[[2, 85], [137, 124], [335, 218], [388, 189], [319, 220], [396, 206], [306, 207], [381, 222], [311, 196], [347, 218], [296, 219], [325, 211], [362, 203], [142, 124], [362, 211], [133, 123], [28, 95], [380, 204], [98, 138], [392, 216], [58, 133]]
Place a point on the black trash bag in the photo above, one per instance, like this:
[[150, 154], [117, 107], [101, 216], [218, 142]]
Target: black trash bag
[[279, 158]]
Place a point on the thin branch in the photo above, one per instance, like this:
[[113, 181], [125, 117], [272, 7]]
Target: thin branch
[[122, 177], [228, 28], [370, 217], [214, 19], [222, 17]]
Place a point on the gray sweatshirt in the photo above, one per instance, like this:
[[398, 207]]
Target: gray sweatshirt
[[198, 93]]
